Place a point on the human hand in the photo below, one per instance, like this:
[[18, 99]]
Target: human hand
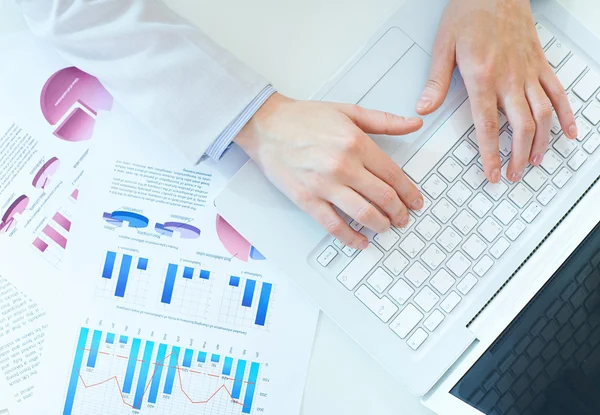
[[319, 155], [496, 47]]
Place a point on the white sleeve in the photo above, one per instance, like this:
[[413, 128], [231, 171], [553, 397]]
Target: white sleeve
[[168, 73]]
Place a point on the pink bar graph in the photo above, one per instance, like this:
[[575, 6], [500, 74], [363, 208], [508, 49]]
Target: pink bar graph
[[39, 244], [55, 236], [62, 221]]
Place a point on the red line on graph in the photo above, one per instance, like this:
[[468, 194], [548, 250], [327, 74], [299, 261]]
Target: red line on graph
[[211, 396]]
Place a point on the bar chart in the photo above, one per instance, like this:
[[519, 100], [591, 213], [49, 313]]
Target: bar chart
[[186, 289], [120, 373], [51, 241], [246, 302], [125, 277]]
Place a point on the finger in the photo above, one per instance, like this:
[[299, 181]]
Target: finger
[[331, 221], [383, 196], [379, 163], [440, 74], [555, 91], [379, 122], [541, 108], [521, 120], [355, 206], [485, 116]]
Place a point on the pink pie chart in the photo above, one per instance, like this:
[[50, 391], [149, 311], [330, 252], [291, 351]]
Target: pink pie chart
[[16, 208], [43, 176], [235, 243]]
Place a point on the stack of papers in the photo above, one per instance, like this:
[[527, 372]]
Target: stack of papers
[[121, 288]]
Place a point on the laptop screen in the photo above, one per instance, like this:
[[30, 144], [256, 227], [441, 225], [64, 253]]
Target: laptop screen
[[547, 361]]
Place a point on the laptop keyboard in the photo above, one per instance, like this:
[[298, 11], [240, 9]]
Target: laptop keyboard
[[412, 278]]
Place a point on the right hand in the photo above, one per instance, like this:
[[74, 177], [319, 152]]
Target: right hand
[[319, 155]]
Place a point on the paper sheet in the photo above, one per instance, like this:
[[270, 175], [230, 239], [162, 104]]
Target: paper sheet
[[168, 309]]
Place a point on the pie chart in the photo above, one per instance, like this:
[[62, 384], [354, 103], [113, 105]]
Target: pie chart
[[9, 218], [43, 176], [235, 243], [120, 218], [182, 230]]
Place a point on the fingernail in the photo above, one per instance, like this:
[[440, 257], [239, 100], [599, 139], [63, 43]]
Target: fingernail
[[423, 104], [413, 120], [573, 131], [417, 204], [364, 244], [404, 221], [515, 177], [537, 160], [495, 175]]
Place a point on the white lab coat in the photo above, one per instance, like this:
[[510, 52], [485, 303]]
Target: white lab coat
[[165, 71]]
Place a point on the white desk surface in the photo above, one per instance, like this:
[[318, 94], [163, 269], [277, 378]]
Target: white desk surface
[[298, 45]]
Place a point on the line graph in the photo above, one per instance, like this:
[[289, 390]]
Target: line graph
[[205, 386]]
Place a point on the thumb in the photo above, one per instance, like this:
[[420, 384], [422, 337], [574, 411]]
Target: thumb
[[379, 122], [440, 75]]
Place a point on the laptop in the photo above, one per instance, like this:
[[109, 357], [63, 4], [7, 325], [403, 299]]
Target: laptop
[[452, 304]]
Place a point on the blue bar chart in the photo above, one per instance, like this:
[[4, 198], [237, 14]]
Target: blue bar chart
[[185, 289], [123, 276], [148, 375], [246, 301]]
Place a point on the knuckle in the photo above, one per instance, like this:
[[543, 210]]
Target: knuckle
[[543, 109], [392, 175], [336, 167], [333, 225], [528, 128], [483, 73], [434, 83], [303, 198], [490, 126], [388, 197], [364, 213], [353, 144]]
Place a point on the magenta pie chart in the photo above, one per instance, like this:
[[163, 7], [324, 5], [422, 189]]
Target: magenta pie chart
[[45, 173], [16, 208], [235, 243], [61, 93]]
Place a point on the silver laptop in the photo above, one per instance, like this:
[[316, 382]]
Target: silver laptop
[[430, 300]]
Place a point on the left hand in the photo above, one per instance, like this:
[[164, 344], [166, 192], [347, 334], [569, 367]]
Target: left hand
[[496, 47]]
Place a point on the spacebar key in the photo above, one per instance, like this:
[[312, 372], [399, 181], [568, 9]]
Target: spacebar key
[[360, 267], [440, 143]]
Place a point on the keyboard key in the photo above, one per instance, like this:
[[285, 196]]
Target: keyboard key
[[520, 195], [442, 281], [428, 227], [449, 303], [531, 212], [362, 264], [502, 120], [380, 280], [592, 112], [381, 307], [544, 35], [556, 128], [484, 265], [575, 103], [417, 339], [505, 142], [401, 292], [348, 251], [395, 262], [474, 246], [586, 87], [557, 53], [433, 256], [535, 178], [417, 274], [547, 195], [562, 177], [505, 212], [465, 222], [434, 186], [449, 239], [583, 128], [426, 205], [515, 230], [495, 190], [551, 161], [489, 229], [327, 256], [412, 245], [426, 299], [480, 205], [406, 321], [465, 153], [565, 146], [571, 70], [450, 169], [592, 143], [444, 210], [356, 226], [577, 160], [467, 284], [458, 264], [459, 193], [338, 243], [499, 248], [387, 239], [434, 320], [474, 177]]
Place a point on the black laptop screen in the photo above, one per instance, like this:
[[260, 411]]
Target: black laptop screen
[[547, 361]]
